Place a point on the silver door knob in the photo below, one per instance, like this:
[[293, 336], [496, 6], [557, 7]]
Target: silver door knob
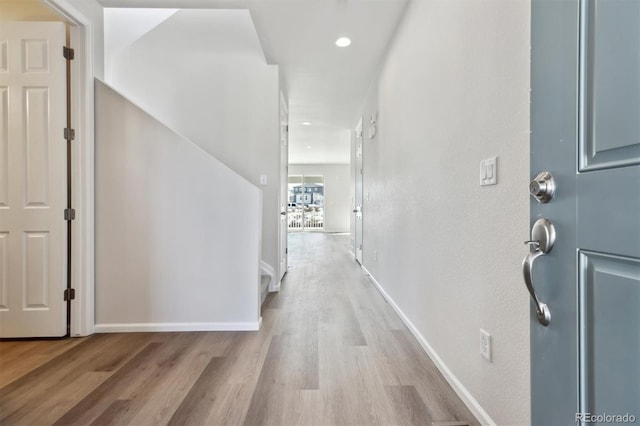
[[543, 187], [543, 236]]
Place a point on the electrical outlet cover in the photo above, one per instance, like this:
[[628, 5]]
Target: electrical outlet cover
[[485, 345]]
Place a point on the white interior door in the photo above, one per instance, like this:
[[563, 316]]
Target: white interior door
[[357, 210], [585, 119], [32, 179], [284, 189]]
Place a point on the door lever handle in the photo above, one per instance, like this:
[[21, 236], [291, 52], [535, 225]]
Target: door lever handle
[[543, 236], [533, 244], [542, 310]]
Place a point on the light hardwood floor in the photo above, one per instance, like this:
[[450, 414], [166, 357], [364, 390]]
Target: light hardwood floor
[[331, 352]]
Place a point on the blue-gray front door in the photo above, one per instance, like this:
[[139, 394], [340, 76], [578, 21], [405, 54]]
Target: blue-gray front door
[[585, 120]]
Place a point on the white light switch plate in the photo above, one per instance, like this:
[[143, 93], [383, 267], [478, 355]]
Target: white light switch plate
[[489, 171], [263, 179]]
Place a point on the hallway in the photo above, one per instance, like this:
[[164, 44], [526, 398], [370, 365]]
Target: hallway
[[330, 351]]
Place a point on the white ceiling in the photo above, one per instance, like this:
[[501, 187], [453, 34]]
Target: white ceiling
[[326, 85]]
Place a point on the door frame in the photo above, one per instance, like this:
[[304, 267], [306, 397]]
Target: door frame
[[283, 195], [358, 174], [82, 35]]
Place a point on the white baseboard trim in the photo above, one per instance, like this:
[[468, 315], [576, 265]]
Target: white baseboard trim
[[464, 394], [178, 326]]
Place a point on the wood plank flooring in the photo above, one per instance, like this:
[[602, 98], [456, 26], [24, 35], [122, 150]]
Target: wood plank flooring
[[331, 352]]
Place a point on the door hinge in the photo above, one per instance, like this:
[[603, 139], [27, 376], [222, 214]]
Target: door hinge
[[69, 214], [69, 134], [68, 53], [69, 294]]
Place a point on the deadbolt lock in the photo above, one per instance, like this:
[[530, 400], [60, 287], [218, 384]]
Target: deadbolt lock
[[543, 187]]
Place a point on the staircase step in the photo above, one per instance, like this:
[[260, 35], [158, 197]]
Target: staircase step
[[264, 280], [264, 286]]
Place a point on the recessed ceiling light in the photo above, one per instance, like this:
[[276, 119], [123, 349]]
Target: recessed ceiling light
[[343, 42], [306, 123], [308, 146]]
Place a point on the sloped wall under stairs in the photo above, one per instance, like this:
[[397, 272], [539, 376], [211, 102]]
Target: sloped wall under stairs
[[177, 232], [203, 74]]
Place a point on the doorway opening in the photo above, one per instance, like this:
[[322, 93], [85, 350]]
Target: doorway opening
[[305, 210], [46, 257], [36, 171]]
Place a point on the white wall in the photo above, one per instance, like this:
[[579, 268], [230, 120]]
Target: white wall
[[177, 232], [203, 74], [454, 90], [337, 199], [123, 27]]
